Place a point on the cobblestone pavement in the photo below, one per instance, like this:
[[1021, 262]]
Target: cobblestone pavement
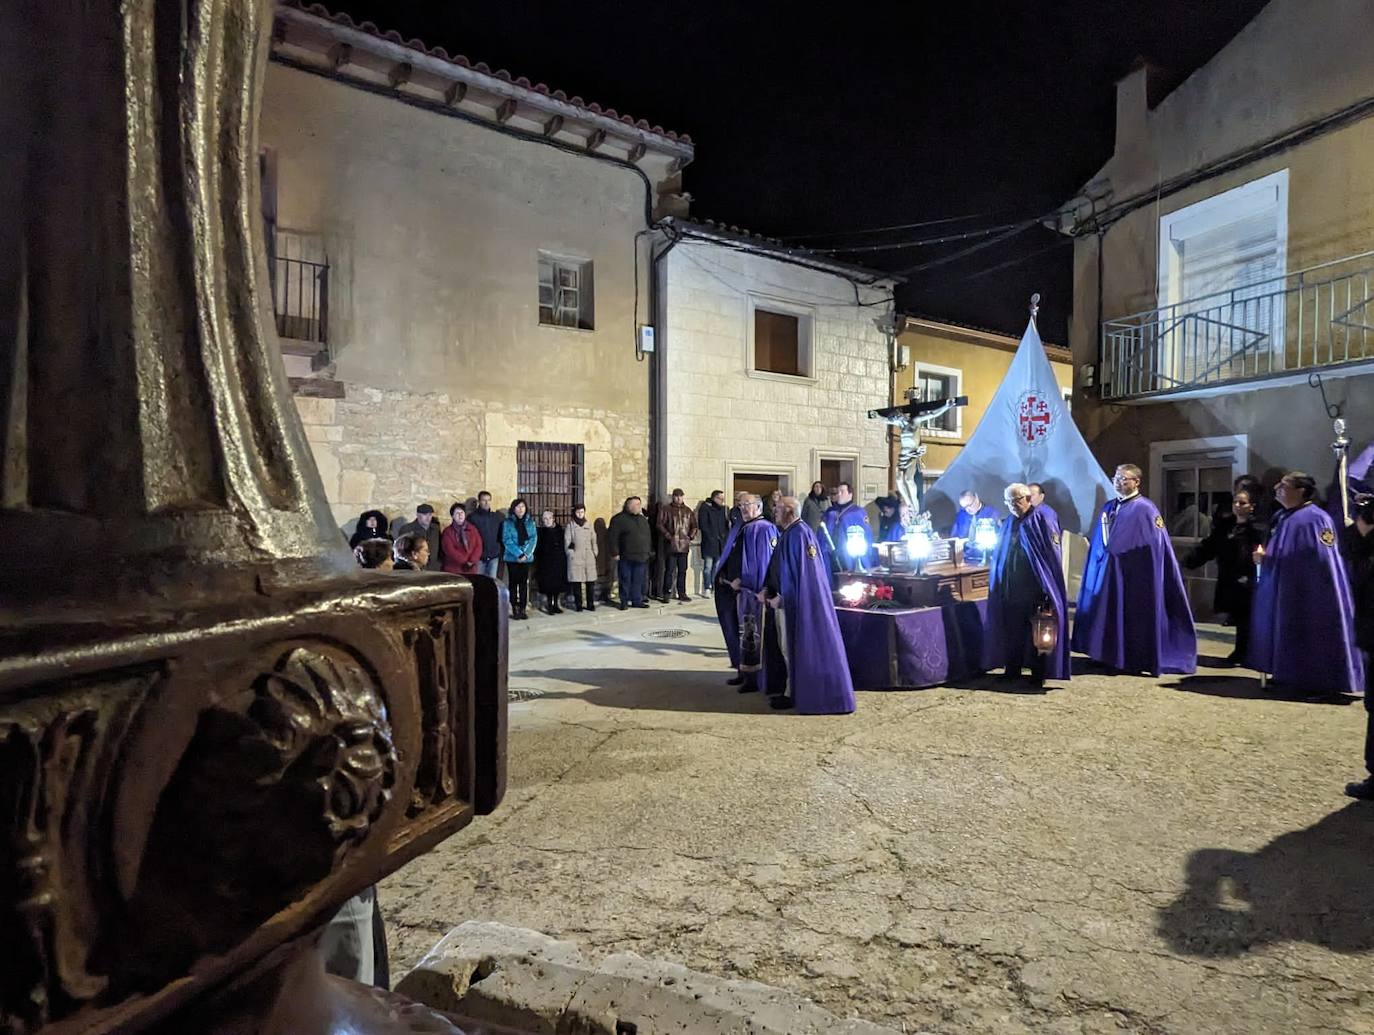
[[1119, 854]]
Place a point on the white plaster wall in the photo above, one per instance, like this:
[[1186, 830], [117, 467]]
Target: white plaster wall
[[719, 417]]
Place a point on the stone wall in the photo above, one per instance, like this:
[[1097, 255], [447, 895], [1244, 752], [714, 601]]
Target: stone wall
[[390, 449], [723, 417]]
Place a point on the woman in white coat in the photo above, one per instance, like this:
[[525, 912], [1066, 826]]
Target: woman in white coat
[[579, 540]]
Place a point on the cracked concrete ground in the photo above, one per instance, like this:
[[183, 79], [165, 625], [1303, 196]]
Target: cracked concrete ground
[[1121, 854]]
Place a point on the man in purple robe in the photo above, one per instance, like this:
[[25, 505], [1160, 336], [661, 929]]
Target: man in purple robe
[[1026, 576], [1302, 622], [744, 570], [1043, 508], [1133, 613], [817, 670], [971, 511], [727, 608], [841, 548]]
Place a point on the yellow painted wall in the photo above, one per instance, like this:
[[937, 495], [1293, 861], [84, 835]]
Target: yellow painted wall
[[982, 359]]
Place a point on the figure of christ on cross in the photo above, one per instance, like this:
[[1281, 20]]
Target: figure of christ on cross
[[909, 418]]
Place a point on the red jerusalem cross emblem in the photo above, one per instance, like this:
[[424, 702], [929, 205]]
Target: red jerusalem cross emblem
[[1033, 418]]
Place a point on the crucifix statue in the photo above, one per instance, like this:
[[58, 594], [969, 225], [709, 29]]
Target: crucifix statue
[[909, 419]]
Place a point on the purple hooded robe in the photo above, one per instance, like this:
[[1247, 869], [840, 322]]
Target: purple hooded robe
[[816, 663], [756, 542], [723, 593], [1133, 613], [1302, 624], [1006, 637]]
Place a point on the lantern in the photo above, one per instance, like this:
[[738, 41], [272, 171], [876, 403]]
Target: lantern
[[918, 545], [985, 534], [855, 541], [1045, 629]]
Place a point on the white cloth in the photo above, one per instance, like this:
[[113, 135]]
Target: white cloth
[[1026, 435]]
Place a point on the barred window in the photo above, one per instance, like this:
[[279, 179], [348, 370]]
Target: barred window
[[549, 477]]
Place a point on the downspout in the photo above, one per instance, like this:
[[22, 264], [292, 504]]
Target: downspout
[[658, 369]]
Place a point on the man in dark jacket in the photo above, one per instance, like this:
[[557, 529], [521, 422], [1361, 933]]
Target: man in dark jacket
[[425, 524], [488, 525], [1358, 545], [677, 527], [631, 541], [713, 521]]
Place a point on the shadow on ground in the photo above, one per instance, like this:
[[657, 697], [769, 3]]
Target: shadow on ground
[[651, 689], [1311, 885], [1247, 688]]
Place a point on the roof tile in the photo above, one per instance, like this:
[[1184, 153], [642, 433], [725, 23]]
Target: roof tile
[[343, 18]]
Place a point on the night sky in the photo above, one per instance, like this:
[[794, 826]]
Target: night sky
[[872, 115]]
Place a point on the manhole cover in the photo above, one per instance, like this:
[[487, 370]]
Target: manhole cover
[[523, 693], [666, 634]]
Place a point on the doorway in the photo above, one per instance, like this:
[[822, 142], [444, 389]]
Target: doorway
[[761, 485], [834, 470]]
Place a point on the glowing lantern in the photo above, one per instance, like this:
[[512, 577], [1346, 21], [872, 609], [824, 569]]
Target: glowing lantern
[[1045, 629], [855, 542], [918, 545], [985, 535]]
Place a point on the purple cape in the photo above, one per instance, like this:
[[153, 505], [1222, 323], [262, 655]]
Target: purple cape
[[1133, 613], [1037, 537], [756, 542], [727, 612], [1302, 625], [838, 521], [1051, 518], [816, 662]]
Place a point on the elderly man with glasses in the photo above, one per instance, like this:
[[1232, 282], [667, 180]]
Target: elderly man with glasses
[[1027, 604]]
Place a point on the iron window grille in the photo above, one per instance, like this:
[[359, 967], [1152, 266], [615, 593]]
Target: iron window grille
[[549, 477]]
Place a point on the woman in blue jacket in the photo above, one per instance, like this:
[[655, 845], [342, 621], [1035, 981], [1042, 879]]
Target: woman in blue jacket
[[518, 539]]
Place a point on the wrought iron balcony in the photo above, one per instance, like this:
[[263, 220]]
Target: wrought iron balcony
[[1315, 318]]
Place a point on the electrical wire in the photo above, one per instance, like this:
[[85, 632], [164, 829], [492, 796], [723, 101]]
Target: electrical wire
[[885, 229], [920, 267], [1003, 265], [923, 242]]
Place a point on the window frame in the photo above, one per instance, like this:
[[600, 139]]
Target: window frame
[[585, 290], [540, 497], [1239, 445], [957, 377], [806, 338]]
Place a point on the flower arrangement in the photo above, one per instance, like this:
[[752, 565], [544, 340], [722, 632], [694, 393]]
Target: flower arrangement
[[866, 595]]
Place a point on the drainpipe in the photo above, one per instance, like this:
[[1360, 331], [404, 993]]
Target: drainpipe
[[658, 370]]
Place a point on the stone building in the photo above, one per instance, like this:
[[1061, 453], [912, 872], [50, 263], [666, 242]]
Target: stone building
[[946, 360], [1224, 254], [455, 257], [771, 359]]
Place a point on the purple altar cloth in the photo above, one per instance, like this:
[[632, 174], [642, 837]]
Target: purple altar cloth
[[912, 648]]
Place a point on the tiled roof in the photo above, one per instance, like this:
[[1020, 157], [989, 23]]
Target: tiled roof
[[391, 35], [762, 243]]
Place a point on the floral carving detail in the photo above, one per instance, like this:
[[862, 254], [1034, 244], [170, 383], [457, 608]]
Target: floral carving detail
[[279, 781]]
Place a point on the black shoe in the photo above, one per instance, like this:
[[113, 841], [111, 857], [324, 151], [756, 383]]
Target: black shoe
[[780, 702], [591, 607], [556, 610], [734, 682], [577, 608], [1364, 790], [642, 604], [622, 605], [662, 600], [1010, 676], [684, 599], [747, 689]]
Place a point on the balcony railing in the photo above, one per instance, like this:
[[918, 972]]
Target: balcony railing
[[300, 300], [1317, 317]]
